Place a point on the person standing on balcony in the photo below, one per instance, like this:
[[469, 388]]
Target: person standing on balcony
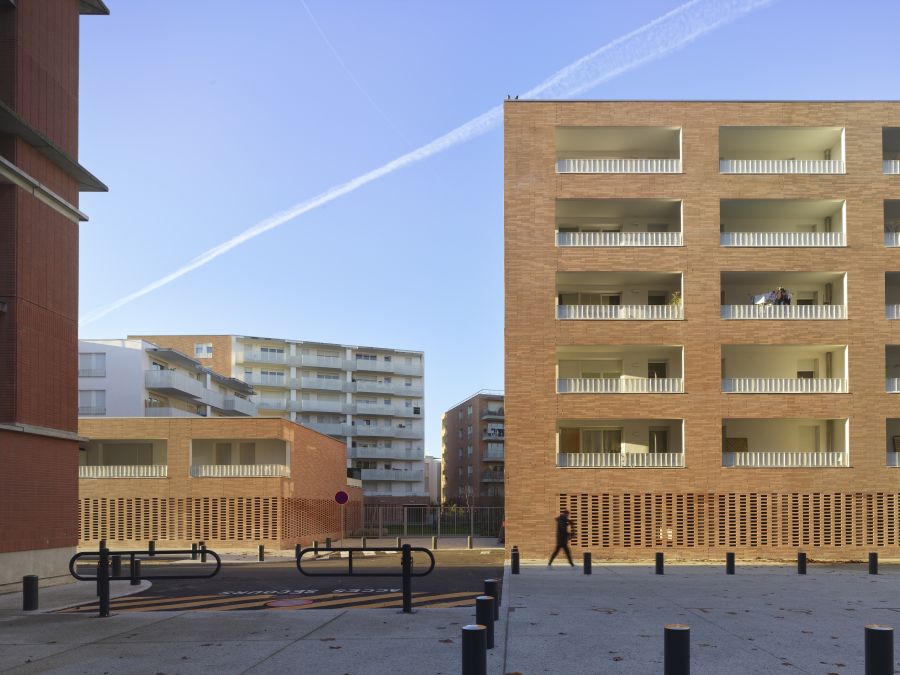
[[563, 534]]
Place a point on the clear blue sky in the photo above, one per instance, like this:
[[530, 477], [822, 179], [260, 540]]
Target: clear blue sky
[[206, 117]]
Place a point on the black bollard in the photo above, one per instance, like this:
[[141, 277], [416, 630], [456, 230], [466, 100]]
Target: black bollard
[[587, 562], [873, 563], [194, 551], [879, 650], [729, 563], [484, 616], [29, 593], [801, 563], [469, 542], [103, 581], [660, 563], [261, 555], [434, 543], [327, 542], [514, 559], [474, 650], [151, 548], [296, 550], [316, 546], [135, 571], [117, 565], [202, 551], [406, 567], [677, 650], [492, 588]]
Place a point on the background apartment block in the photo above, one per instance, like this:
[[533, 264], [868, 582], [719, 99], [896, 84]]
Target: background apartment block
[[658, 383], [136, 378], [472, 446], [40, 182], [371, 398], [433, 479]]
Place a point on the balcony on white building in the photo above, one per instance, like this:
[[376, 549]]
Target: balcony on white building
[[235, 405], [776, 223], [634, 296], [890, 146], [322, 383], [620, 444], [367, 386], [618, 222], [359, 430], [169, 411], [173, 383], [411, 475], [319, 405], [781, 150], [618, 150], [812, 295], [123, 459], [269, 379], [328, 428], [324, 361], [377, 452], [892, 295], [784, 369], [91, 410], [240, 458], [265, 403], [633, 369], [264, 355], [785, 443]]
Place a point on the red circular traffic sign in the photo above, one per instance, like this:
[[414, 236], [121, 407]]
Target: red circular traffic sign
[[341, 497]]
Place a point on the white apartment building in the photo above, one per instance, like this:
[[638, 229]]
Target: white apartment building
[[433, 479], [372, 398], [136, 378]]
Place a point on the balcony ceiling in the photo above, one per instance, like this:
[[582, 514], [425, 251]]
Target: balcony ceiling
[[665, 209], [783, 278], [615, 350], [584, 280], [593, 423], [777, 141], [800, 351], [779, 208], [617, 139]]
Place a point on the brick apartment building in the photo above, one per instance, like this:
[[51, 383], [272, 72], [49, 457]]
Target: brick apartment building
[[703, 326], [40, 180], [472, 447], [232, 482]]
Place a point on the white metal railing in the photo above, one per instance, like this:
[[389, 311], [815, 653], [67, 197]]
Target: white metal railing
[[124, 471], [618, 165], [893, 459], [92, 372], [621, 312], [892, 166], [165, 411], [784, 459], [892, 239], [892, 311], [620, 385], [240, 471], [623, 460], [91, 410], [619, 239], [892, 385], [392, 474], [776, 239], [809, 312], [781, 166], [784, 385], [387, 453], [170, 379]]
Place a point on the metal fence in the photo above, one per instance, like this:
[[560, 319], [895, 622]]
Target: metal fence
[[431, 521]]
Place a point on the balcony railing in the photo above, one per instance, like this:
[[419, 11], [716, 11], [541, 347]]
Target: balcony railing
[[238, 405], [362, 431], [493, 435], [322, 361], [256, 356], [328, 428], [621, 312], [91, 410], [784, 459], [619, 239], [240, 471], [318, 406], [394, 367], [781, 166], [495, 455], [620, 460], [892, 166], [266, 381], [893, 459], [124, 471], [171, 380], [165, 411], [92, 372], [621, 385], [317, 383], [892, 239], [492, 477], [779, 239], [272, 404], [392, 474], [398, 388], [802, 312], [492, 414], [387, 453], [892, 311], [784, 385], [618, 166]]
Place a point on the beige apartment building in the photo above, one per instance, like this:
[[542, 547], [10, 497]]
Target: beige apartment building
[[703, 326], [472, 447], [370, 398]]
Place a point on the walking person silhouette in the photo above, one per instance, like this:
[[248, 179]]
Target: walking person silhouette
[[563, 534]]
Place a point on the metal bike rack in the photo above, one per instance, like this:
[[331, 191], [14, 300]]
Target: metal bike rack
[[406, 572]]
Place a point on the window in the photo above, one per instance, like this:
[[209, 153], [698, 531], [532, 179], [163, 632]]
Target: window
[[91, 401], [366, 357], [469, 451], [271, 377], [248, 453], [469, 470], [223, 453], [656, 297], [469, 430], [387, 359], [656, 369], [92, 365], [127, 454], [387, 401], [659, 440], [468, 411], [203, 350], [460, 453], [601, 440], [274, 354]]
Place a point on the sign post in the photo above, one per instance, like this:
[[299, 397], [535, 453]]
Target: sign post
[[341, 498]]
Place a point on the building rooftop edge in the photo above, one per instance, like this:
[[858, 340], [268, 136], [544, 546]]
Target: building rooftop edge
[[695, 100], [277, 339], [481, 392]]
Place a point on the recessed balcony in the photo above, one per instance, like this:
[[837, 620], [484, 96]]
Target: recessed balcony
[[619, 296], [620, 444], [619, 370], [618, 222], [783, 295], [781, 150], [492, 477], [319, 405], [328, 428], [892, 223], [776, 223], [314, 360], [893, 441], [618, 150], [240, 458], [363, 431], [494, 453], [890, 146], [114, 458], [272, 404], [892, 295], [494, 432], [267, 380], [892, 368], [785, 443], [784, 369]]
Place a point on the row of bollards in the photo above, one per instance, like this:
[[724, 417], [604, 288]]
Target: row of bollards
[[477, 638]]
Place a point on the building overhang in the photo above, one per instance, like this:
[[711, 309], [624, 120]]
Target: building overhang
[[93, 7]]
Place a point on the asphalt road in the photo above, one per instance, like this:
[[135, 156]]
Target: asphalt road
[[457, 578]]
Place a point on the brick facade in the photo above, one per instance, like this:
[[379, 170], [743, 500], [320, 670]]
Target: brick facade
[[455, 440]]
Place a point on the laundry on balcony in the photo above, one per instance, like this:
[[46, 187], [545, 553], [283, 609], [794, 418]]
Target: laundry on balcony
[[779, 296]]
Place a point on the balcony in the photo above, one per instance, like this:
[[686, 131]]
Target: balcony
[[618, 150], [315, 361], [371, 431], [387, 453], [124, 471], [240, 471], [258, 380], [318, 406], [91, 410], [396, 388], [272, 404], [618, 222], [784, 312], [775, 385], [892, 295], [892, 385], [259, 356], [795, 460], [811, 295], [494, 454], [393, 475], [621, 385], [235, 405], [394, 367], [634, 296], [92, 372], [620, 460], [173, 383], [890, 147], [497, 435], [781, 150], [620, 369], [318, 383], [489, 414], [492, 477], [585, 238], [328, 428], [167, 411], [784, 369], [893, 458]]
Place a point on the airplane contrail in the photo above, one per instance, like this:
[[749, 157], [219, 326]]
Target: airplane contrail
[[665, 34]]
